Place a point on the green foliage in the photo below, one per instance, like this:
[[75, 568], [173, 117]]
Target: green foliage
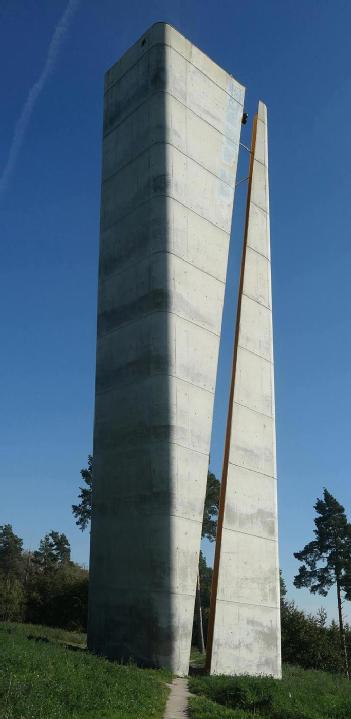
[[300, 695], [283, 589], [41, 679], [326, 559], [44, 586], [205, 573], [12, 599], [54, 634], [202, 708], [11, 564], [309, 642], [209, 529], [82, 510], [209, 521], [54, 551], [58, 598]]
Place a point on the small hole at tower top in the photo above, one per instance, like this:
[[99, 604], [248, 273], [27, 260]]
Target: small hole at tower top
[[143, 42]]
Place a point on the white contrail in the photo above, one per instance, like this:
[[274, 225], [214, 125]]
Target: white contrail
[[57, 40]]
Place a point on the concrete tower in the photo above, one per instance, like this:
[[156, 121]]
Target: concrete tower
[[172, 122], [244, 635]]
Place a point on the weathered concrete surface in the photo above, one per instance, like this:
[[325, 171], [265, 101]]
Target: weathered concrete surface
[[171, 132], [246, 636]]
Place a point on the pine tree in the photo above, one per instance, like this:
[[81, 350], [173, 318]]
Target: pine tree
[[11, 574], [54, 552], [209, 521], [82, 511], [327, 558], [209, 529], [11, 560]]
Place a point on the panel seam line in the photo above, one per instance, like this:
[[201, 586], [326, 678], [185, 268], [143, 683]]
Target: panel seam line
[[156, 374], [131, 266], [166, 44], [143, 317], [181, 152], [248, 604], [169, 197], [249, 534], [187, 107], [256, 471], [256, 411]]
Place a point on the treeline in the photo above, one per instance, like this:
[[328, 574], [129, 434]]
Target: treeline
[[44, 586], [308, 640]]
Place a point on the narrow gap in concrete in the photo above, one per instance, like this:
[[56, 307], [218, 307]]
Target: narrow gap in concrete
[[227, 338]]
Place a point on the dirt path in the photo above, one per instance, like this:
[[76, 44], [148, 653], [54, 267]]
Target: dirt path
[[177, 704]]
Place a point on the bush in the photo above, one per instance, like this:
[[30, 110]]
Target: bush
[[12, 599], [58, 598], [307, 641]]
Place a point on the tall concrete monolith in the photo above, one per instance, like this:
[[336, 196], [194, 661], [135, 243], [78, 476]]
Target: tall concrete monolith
[[245, 615], [172, 122]]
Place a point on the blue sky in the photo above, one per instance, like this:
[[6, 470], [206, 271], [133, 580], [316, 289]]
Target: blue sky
[[295, 57]]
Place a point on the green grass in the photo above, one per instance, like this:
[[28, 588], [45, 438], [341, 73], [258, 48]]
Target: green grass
[[197, 660], [42, 678], [300, 695], [61, 636]]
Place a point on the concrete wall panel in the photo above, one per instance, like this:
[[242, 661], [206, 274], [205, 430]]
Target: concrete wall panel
[[251, 502], [171, 136], [165, 171], [246, 637], [256, 328], [156, 227]]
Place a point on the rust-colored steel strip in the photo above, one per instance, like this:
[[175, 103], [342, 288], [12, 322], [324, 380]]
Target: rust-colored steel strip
[[224, 478]]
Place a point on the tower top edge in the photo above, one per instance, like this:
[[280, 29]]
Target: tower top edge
[[262, 111], [163, 33]]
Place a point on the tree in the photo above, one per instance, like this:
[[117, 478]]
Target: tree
[[11, 574], [209, 521], [82, 510], [56, 587], [12, 599], [326, 560], [54, 552], [209, 529], [283, 589], [11, 560]]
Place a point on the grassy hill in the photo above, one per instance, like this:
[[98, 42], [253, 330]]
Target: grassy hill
[[48, 674], [302, 694]]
